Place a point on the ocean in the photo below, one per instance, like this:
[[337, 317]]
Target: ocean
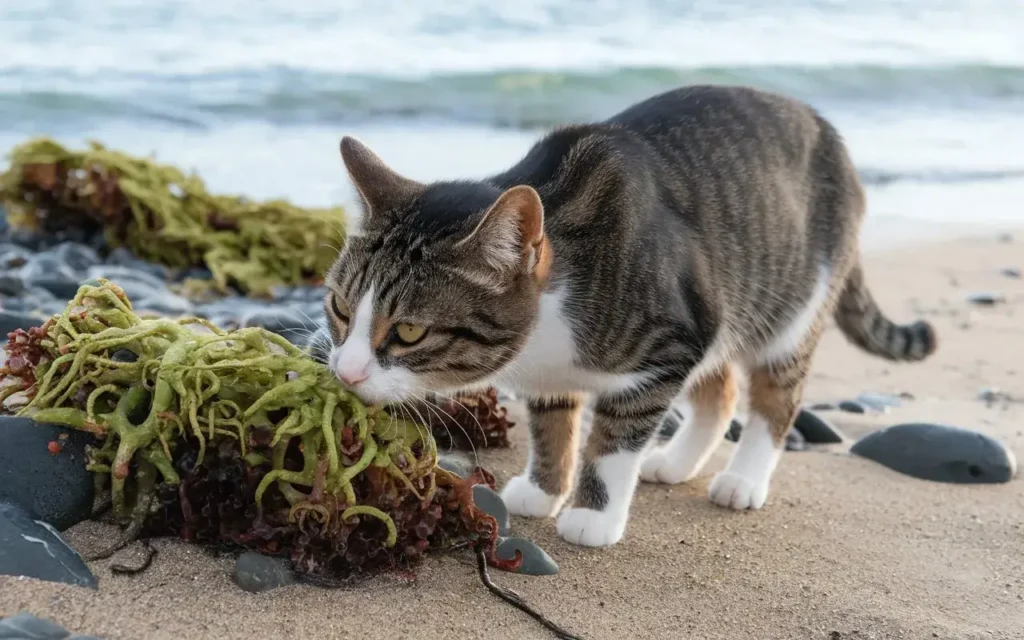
[[256, 95]]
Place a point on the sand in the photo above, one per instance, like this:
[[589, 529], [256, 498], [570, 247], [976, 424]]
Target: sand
[[844, 549]]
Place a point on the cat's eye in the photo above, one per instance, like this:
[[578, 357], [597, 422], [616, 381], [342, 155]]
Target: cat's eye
[[336, 307], [409, 334]]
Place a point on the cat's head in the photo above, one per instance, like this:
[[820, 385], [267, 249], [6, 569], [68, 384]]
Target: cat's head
[[439, 288]]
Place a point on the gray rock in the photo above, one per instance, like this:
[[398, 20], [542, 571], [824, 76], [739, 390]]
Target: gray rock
[[734, 432], [986, 298], [57, 487], [852, 406], [25, 626], [536, 561], [11, 284], [255, 572], [1011, 272], [13, 257], [34, 549], [671, 423], [164, 303], [63, 288], [76, 256], [138, 284], [13, 320], [124, 258], [454, 464], [491, 503], [940, 453], [795, 441], [816, 430], [880, 402], [47, 266], [822, 406]]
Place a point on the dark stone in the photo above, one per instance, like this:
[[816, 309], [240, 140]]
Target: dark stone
[[880, 402], [78, 257], [29, 239], [986, 298], [13, 256], [822, 406], [735, 429], [124, 258], [12, 320], [671, 423], [795, 441], [196, 273], [47, 266], [124, 355], [815, 430], [11, 284], [138, 284], [852, 406], [940, 453], [34, 549], [491, 503], [25, 626], [1011, 272], [255, 572], [65, 289], [453, 464], [536, 561], [57, 487]]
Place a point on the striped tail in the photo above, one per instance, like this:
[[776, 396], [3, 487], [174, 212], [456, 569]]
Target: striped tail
[[864, 324]]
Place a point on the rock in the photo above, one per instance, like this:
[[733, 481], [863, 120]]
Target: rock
[[13, 257], [283, 321], [822, 406], [986, 298], [124, 355], [940, 453], [255, 572], [1011, 272], [671, 423], [852, 406], [795, 441], [453, 463], [138, 284], [164, 303], [34, 549], [77, 257], [491, 503], [536, 561], [735, 429], [880, 402], [12, 320], [65, 289], [47, 266], [815, 430], [25, 626], [11, 284], [993, 395], [124, 258], [55, 487], [195, 273]]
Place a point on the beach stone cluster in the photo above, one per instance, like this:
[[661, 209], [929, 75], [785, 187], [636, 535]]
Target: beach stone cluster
[[25, 626]]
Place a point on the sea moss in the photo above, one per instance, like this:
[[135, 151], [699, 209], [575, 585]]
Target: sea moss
[[239, 438], [166, 216]]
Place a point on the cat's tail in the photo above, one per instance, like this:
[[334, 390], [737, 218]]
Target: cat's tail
[[864, 324]]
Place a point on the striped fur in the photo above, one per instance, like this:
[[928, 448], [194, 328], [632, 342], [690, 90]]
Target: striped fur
[[633, 261]]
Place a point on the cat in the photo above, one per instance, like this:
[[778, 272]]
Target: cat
[[700, 233]]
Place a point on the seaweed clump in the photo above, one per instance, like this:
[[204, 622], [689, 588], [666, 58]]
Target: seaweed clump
[[163, 215], [239, 438], [469, 421]]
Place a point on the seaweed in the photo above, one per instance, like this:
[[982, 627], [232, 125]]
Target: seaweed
[[469, 421], [163, 215], [241, 439]]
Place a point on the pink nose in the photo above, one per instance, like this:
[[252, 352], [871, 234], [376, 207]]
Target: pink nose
[[352, 379]]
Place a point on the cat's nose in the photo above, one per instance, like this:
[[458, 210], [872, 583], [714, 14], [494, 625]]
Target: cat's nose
[[352, 378]]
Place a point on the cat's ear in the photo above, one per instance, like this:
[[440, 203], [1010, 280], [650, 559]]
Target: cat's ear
[[511, 233], [380, 186]]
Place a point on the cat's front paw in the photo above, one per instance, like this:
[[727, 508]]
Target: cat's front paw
[[524, 498], [591, 528], [659, 467], [733, 490]]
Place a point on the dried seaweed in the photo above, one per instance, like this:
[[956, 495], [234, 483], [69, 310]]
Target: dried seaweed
[[165, 216], [469, 421], [239, 438]]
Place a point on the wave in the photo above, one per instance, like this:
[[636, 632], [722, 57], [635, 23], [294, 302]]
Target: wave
[[508, 98]]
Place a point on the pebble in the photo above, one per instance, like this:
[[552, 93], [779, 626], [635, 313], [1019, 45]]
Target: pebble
[[11, 285], [34, 549], [491, 503], [822, 406], [255, 572], [124, 258], [164, 303], [452, 463], [1011, 272], [47, 266], [12, 256], [795, 441], [25, 626], [670, 423], [57, 487], [880, 402], [536, 561], [852, 406], [735, 429], [939, 452], [815, 429], [992, 395], [137, 284], [77, 257], [12, 320], [986, 298]]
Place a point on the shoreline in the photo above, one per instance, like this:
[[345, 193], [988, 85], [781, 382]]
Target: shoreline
[[844, 546]]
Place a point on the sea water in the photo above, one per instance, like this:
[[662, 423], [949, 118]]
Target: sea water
[[255, 95]]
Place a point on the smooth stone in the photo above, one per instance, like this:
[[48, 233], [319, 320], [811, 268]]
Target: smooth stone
[[125, 258], [28, 239], [735, 429], [164, 303], [255, 572], [57, 487], [815, 430], [851, 406], [880, 402], [986, 298], [77, 257], [536, 561], [795, 441], [1011, 272], [11, 284], [47, 266], [136, 284], [13, 256], [196, 273], [13, 320], [34, 549], [939, 452], [453, 464], [124, 355], [25, 626], [62, 288], [671, 423], [822, 406], [491, 503]]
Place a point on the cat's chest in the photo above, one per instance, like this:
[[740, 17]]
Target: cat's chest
[[547, 362]]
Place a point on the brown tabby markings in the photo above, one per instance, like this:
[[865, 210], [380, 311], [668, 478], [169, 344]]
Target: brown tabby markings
[[555, 421]]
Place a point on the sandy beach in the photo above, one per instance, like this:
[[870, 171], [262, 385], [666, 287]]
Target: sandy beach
[[845, 549]]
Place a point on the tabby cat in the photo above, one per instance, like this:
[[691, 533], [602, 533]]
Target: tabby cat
[[698, 233]]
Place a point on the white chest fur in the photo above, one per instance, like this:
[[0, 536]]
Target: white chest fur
[[547, 362]]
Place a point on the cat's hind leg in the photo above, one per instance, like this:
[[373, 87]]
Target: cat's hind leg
[[712, 401], [554, 424]]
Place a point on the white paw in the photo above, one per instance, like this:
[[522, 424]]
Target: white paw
[[591, 528], [733, 490], [659, 467], [524, 498]]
